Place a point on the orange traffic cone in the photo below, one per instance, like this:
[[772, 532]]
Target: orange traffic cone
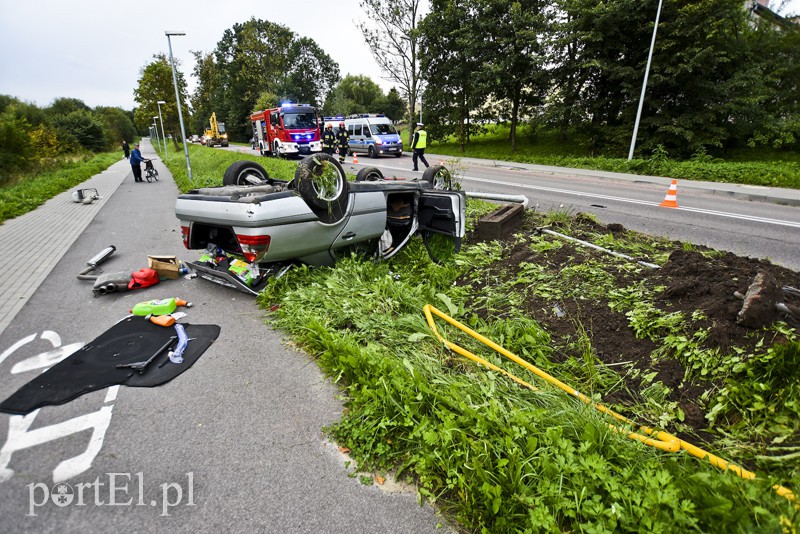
[[671, 200], [355, 157]]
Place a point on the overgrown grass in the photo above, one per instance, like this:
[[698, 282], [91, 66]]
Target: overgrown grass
[[764, 167], [495, 456], [32, 191]]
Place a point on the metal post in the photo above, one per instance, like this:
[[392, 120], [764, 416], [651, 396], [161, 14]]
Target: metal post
[[164, 137], [178, 100], [155, 127], [644, 84]]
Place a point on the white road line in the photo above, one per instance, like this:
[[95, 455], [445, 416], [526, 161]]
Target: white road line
[[754, 218]]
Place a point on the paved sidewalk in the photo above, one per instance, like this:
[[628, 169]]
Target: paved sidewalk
[[42, 236]]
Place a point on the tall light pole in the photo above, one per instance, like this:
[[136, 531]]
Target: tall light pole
[[644, 84], [162, 126], [178, 100], [155, 127]]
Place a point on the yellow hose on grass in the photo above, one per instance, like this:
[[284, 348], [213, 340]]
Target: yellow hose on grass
[[660, 440]]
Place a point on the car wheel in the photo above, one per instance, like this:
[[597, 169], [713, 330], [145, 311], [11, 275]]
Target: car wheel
[[438, 176], [277, 150], [245, 173], [369, 174], [372, 152], [322, 184], [398, 154]]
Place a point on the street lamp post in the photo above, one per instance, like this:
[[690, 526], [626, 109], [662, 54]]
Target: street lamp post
[[644, 83], [155, 127], [162, 126], [178, 100]]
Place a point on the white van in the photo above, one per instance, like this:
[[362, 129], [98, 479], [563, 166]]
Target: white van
[[374, 135]]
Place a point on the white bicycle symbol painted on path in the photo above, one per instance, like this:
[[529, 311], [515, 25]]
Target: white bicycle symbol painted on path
[[21, 437]]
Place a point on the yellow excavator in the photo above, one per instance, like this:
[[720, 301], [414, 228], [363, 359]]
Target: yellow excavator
[[216, 135]]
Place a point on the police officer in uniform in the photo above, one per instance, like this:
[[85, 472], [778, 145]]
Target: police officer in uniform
[[328, 140], [343, 140], [418, 145]]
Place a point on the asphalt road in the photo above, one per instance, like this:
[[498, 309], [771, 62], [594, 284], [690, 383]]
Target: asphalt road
[[233, 444]]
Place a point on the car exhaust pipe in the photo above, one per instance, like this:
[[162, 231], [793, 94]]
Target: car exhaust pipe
[[111, 283], [92, 264]]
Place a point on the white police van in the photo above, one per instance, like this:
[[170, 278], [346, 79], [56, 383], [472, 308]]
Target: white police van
[[374, 135]]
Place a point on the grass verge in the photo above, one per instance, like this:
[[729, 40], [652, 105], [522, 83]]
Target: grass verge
[[30, 193], [497, 457]]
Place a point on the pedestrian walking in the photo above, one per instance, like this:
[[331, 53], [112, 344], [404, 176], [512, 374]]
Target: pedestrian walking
[[126, 149], [136, 161], [328, 140], [343, 141], [418, 146]]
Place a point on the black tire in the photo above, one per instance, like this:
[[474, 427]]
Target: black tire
[[439, 177], [322, 184], [371, 152], [245, 173], [398, 154], [369, 174], [147, 177], [155, 175]]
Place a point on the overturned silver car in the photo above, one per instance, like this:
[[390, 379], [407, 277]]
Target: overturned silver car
[[254, 226]]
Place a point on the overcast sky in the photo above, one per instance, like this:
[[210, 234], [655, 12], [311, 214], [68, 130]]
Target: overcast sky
[[93, 50]]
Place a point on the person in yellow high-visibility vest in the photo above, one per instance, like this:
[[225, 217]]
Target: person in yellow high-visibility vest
[[419, 144]]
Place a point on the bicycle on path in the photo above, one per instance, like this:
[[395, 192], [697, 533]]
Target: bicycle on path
[[150, 171]]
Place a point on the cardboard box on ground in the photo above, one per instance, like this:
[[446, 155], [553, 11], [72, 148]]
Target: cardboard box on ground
[[165, 266]]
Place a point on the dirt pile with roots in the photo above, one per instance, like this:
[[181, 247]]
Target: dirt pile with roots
[[693, 279]]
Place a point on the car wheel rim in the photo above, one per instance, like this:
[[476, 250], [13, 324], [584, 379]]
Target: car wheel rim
[[327, 182]]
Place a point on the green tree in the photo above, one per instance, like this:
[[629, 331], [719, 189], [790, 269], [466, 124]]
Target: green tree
[[452, 48], [313, 73], [83, 127], [393, 39], [65, 106], [252, 58], [266, 100], [513, 54], [118, 125], [154, 84], [16, 151], [355, 94], [394, 106], [207, 96]]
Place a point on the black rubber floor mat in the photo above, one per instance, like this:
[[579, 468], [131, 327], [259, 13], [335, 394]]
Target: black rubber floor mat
[[93, 367]]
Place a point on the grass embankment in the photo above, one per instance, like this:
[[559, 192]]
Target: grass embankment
[[209, 164], [498, 457], [32, 191], [762, 167]]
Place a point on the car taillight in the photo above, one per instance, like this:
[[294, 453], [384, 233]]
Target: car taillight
[[253, 246], [185, 236]]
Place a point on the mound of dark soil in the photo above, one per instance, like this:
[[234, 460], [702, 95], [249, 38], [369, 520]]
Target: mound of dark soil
[[694, 279]]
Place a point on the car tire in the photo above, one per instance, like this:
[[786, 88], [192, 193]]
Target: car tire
[[398, 154], [322, 183], [438, 176], [371, 152], [369, 174], [245, 173]]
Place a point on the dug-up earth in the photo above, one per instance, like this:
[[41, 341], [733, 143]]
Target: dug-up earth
[[692, 279]]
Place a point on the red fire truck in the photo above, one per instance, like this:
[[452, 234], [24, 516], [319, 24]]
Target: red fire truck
[[288, 130]]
